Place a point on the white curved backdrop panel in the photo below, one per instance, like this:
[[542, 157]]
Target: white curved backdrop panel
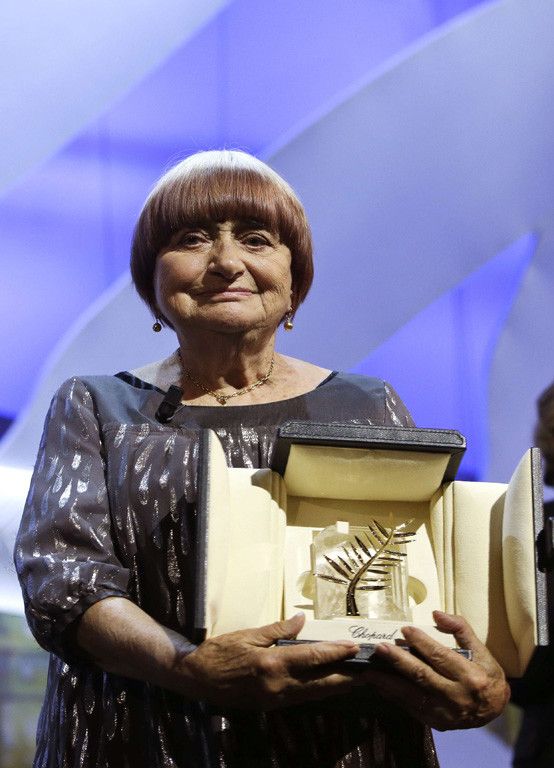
[[69, 60]]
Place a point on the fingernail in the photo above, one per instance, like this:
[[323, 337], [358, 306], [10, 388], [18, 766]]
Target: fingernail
[[383, 649]]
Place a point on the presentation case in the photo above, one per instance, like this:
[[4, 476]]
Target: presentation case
[[366, 529]]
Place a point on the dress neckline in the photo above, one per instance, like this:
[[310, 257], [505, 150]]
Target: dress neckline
[[163, 374], [326, 380], [131, 378]]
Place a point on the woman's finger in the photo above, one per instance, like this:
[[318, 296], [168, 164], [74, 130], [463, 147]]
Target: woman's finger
[[465, 637], [278, 630], [311, 656], [439, 657], [304, 656], [420, 672]]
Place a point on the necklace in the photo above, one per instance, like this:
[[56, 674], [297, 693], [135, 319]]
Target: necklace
[[221, 398]]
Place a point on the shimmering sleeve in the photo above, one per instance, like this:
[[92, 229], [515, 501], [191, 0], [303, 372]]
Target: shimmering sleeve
[[396, 413], [64, 553]]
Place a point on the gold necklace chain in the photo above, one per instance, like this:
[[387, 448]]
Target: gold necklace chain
[[222, 399]]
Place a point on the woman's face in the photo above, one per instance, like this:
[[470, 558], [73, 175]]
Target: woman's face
[[228, 277]]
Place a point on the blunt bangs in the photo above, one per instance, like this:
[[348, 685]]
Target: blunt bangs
[[220, 186]]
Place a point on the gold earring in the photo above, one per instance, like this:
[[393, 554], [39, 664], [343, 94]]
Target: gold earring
[[288, 325], [157, 327]]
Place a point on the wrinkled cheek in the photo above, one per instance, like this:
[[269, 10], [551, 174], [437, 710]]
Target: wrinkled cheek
[[176, 306], [168, 291], [162, 283]]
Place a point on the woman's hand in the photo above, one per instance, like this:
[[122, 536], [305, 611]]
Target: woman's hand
[[443, 689], [242, 670], [239, 669]]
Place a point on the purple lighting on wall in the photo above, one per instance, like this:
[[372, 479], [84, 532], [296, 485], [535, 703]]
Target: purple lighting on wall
[[440, 360]]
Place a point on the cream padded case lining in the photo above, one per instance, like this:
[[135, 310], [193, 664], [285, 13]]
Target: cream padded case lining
[[474, 549]]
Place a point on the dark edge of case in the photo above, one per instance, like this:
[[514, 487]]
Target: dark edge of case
[[203, 491], [543, 630], [536, 684], [366, 654], [368, 436]]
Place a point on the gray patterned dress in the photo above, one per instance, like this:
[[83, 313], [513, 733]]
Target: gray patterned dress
[[111, 511]]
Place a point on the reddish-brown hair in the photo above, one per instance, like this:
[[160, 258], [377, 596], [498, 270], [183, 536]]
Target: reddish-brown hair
[[220, 185]]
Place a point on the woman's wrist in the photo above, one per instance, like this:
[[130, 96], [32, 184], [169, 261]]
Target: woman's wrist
[[124, 640]]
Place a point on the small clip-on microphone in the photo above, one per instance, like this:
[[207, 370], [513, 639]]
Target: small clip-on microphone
[[170, 403]]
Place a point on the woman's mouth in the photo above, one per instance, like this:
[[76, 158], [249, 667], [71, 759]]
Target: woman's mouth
[[226, 293]]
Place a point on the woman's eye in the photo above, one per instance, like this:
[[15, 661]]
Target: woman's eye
[[190, 239], [255, 240]]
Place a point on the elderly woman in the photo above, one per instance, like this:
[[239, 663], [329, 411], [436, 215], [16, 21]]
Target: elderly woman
[[221, 254]]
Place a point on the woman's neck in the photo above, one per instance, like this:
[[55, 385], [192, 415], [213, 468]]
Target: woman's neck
[[225, 364], [225, 361]]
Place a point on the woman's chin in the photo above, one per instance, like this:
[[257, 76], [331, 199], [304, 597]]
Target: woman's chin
[[230, 323]]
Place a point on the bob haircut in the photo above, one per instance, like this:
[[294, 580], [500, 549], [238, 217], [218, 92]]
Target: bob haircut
[[220, 185], [544, 432]]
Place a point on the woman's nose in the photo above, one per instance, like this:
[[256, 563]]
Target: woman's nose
[[225, 258]]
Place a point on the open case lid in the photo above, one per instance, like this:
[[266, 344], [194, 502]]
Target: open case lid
[[314, 458]]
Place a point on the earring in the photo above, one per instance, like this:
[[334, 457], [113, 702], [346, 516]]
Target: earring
[[288, 325], [157, 327]]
